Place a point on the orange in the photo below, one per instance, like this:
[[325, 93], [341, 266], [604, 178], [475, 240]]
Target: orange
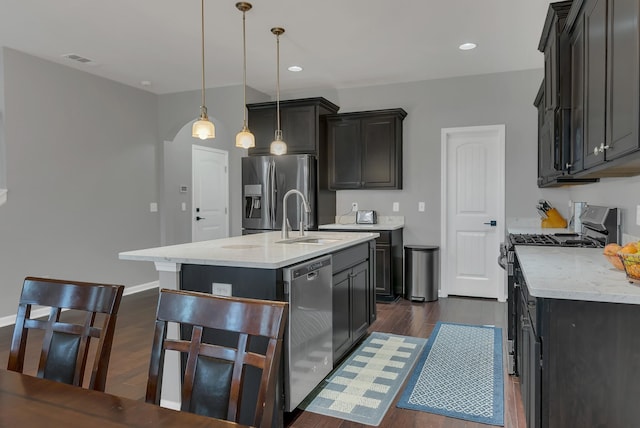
[[612, 249], [630, 248]]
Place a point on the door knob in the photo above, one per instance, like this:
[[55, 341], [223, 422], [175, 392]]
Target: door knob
[[198, 218], [491, 223]]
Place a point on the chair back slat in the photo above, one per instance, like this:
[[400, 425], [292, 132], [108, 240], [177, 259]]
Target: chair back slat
[[215, 367], [65, 345]]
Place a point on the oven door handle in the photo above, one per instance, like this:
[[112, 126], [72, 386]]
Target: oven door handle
[[502, 258]]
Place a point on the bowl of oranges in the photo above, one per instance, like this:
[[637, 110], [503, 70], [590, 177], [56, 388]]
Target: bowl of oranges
[[625, 258]]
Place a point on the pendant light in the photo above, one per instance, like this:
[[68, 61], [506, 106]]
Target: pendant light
[[244, 138], [203, 128], [278, 147]]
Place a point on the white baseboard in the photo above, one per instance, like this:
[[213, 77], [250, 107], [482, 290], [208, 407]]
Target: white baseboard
[[43, 312], [141, 287], [175, 405]]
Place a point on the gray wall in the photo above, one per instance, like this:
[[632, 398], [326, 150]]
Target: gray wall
[[176, 114], [503, 98], [3, 165], [80, 163]]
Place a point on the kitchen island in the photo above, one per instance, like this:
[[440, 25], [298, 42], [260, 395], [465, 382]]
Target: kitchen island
[[578, 349], [255, 265]]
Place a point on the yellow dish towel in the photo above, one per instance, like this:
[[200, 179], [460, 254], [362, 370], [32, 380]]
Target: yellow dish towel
[[554, 220]]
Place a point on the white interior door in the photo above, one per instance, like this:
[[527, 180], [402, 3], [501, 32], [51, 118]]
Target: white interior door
[[473, 188], [210, 207]]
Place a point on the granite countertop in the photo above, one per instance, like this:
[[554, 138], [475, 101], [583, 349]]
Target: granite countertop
[[574, 274], [259, 250]]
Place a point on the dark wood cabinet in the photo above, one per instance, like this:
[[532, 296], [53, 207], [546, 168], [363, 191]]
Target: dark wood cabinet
[[365, 149], [352, 289], [554, 98], [578, 362], [604, 41], [302, 123], [389, 262]]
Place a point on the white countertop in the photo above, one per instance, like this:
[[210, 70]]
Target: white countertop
[[574, 274], [251, 251], [349, 223]]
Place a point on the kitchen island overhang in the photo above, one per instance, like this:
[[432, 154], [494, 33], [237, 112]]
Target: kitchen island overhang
[[252, 266]]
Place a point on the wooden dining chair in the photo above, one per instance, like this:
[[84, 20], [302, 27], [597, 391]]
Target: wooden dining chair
[[220, 352], [65, 345]]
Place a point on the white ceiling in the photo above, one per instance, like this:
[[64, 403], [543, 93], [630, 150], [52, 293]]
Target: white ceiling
[[340, 43]]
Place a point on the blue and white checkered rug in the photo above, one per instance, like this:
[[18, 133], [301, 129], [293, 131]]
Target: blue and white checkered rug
[[363, 387], [459, 374]]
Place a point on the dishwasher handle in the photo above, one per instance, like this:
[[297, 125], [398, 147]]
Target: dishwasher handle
[[313, 275]]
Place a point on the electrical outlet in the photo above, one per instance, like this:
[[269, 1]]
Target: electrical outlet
[[153, 207], [396, 207], [354, 206], [421, 206], [638, 215], [221, 289]]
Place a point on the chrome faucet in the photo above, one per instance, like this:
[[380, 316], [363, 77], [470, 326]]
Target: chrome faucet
[[285, 220]]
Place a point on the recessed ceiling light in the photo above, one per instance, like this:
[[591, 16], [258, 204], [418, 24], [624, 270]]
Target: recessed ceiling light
[[295, 68], [467, 46]]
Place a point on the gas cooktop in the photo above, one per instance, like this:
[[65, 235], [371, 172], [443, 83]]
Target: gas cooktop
[[556, 240]]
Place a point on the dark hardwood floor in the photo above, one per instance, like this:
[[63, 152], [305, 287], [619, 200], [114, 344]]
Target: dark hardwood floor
[[132, 345]]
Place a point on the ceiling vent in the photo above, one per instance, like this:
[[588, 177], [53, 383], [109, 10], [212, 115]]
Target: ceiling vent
[[79, 58]]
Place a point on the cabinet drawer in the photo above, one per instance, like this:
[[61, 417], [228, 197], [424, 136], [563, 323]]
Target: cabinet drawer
[[384, 238], [349, 257]]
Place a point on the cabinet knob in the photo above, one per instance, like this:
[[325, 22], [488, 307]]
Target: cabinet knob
[[567, 165], [596, 151]]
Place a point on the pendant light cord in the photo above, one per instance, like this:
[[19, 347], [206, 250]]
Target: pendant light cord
[[202, 44], [278, 79], [244, 72]]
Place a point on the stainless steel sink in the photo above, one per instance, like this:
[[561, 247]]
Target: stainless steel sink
[[309, 240]]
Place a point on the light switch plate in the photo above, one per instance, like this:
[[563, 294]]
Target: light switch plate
[[396, 207], [184, 206], [421, 206], [638, 215], [153, 207]]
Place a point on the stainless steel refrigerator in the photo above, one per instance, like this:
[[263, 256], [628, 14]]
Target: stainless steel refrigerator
[[266, 179]]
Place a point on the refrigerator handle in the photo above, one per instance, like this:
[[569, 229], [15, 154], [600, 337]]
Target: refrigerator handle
[[273, 190]]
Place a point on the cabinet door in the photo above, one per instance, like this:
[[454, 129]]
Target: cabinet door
[[546, 149], [383, 269], [344, 154], [623, 95], [299, 129], [341, 310], [595, 32], [262, 124], [380, 152], [576, 43], [359, 300], [551, 70]]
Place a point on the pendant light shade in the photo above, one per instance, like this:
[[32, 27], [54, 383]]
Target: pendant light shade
[[244, 138], [278, 146], [203, 128]]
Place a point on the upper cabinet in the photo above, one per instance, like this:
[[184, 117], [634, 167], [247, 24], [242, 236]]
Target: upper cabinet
[[605, 96], [365, 149], [554, 98], [302, 123], [610, 101]]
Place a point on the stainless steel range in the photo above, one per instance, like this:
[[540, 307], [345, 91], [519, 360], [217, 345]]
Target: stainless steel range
[[600, 226]]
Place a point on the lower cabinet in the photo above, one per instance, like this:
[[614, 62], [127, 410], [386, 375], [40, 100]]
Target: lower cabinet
[[578, 362], [352, 303], [389, 262]]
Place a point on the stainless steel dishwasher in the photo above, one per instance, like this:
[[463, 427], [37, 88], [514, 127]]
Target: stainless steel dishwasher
[[309, 336]]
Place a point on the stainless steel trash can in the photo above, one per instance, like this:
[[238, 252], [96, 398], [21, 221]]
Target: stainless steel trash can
[[421, 272]]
